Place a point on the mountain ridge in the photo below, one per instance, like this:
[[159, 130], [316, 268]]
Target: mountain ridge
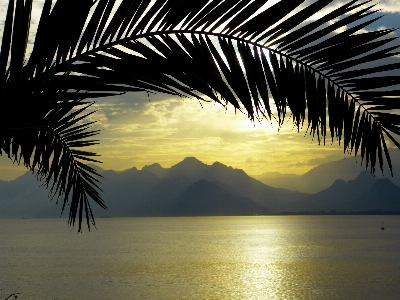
[[322, 176], [158, 191]]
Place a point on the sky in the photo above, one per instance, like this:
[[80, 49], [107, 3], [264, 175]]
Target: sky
[[139, 129]]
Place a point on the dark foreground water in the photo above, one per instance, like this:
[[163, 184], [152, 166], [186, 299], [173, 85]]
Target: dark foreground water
[[289, 257]]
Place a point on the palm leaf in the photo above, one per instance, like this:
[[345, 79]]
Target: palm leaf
[[237, 52]]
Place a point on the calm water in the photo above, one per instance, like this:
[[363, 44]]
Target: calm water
[[304, 257]]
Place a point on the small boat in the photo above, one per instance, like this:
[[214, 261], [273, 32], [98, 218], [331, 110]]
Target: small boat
[[383, 227]]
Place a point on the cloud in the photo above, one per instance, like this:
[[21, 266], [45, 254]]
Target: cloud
[[388, 6], [324, 159], [251, 160], [391, 6], [139, 130]]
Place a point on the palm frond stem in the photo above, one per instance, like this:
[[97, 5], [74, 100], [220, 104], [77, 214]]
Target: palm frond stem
[[64, 65]]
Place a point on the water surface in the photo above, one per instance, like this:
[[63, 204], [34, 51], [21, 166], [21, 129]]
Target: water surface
[[285, 257]]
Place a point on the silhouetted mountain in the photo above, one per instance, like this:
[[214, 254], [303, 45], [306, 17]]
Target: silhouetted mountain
[[3, 184], [315, 180], [194, 170], [164, 193], [24, 198], [156, 169], [324, 175], [205, 198], [150, 191], [125, 192], [235, 180], [365, 193], [157, 191], [190, 167], [384, 195]]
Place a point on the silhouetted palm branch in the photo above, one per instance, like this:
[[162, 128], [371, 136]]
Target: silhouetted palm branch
[[234, 51]]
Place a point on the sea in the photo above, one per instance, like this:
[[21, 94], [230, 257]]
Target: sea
[[255, 257]]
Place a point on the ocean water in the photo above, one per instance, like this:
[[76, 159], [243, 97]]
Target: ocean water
[[260, 257]]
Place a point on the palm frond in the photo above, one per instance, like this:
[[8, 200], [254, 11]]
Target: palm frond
[[52, 147], [246, 53]]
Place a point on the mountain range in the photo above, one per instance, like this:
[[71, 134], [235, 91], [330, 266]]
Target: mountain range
[[192, 188], [324, 175]]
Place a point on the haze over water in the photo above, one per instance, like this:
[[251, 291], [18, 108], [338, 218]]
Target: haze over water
[[283, 257]]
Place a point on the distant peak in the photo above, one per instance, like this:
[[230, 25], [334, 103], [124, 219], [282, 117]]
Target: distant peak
[[218, 164], [155, 165], [156, 169], [339, 182], [191, 159], [131, 169]]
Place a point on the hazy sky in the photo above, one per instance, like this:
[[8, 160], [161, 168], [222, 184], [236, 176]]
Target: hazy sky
[[139, 130]]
